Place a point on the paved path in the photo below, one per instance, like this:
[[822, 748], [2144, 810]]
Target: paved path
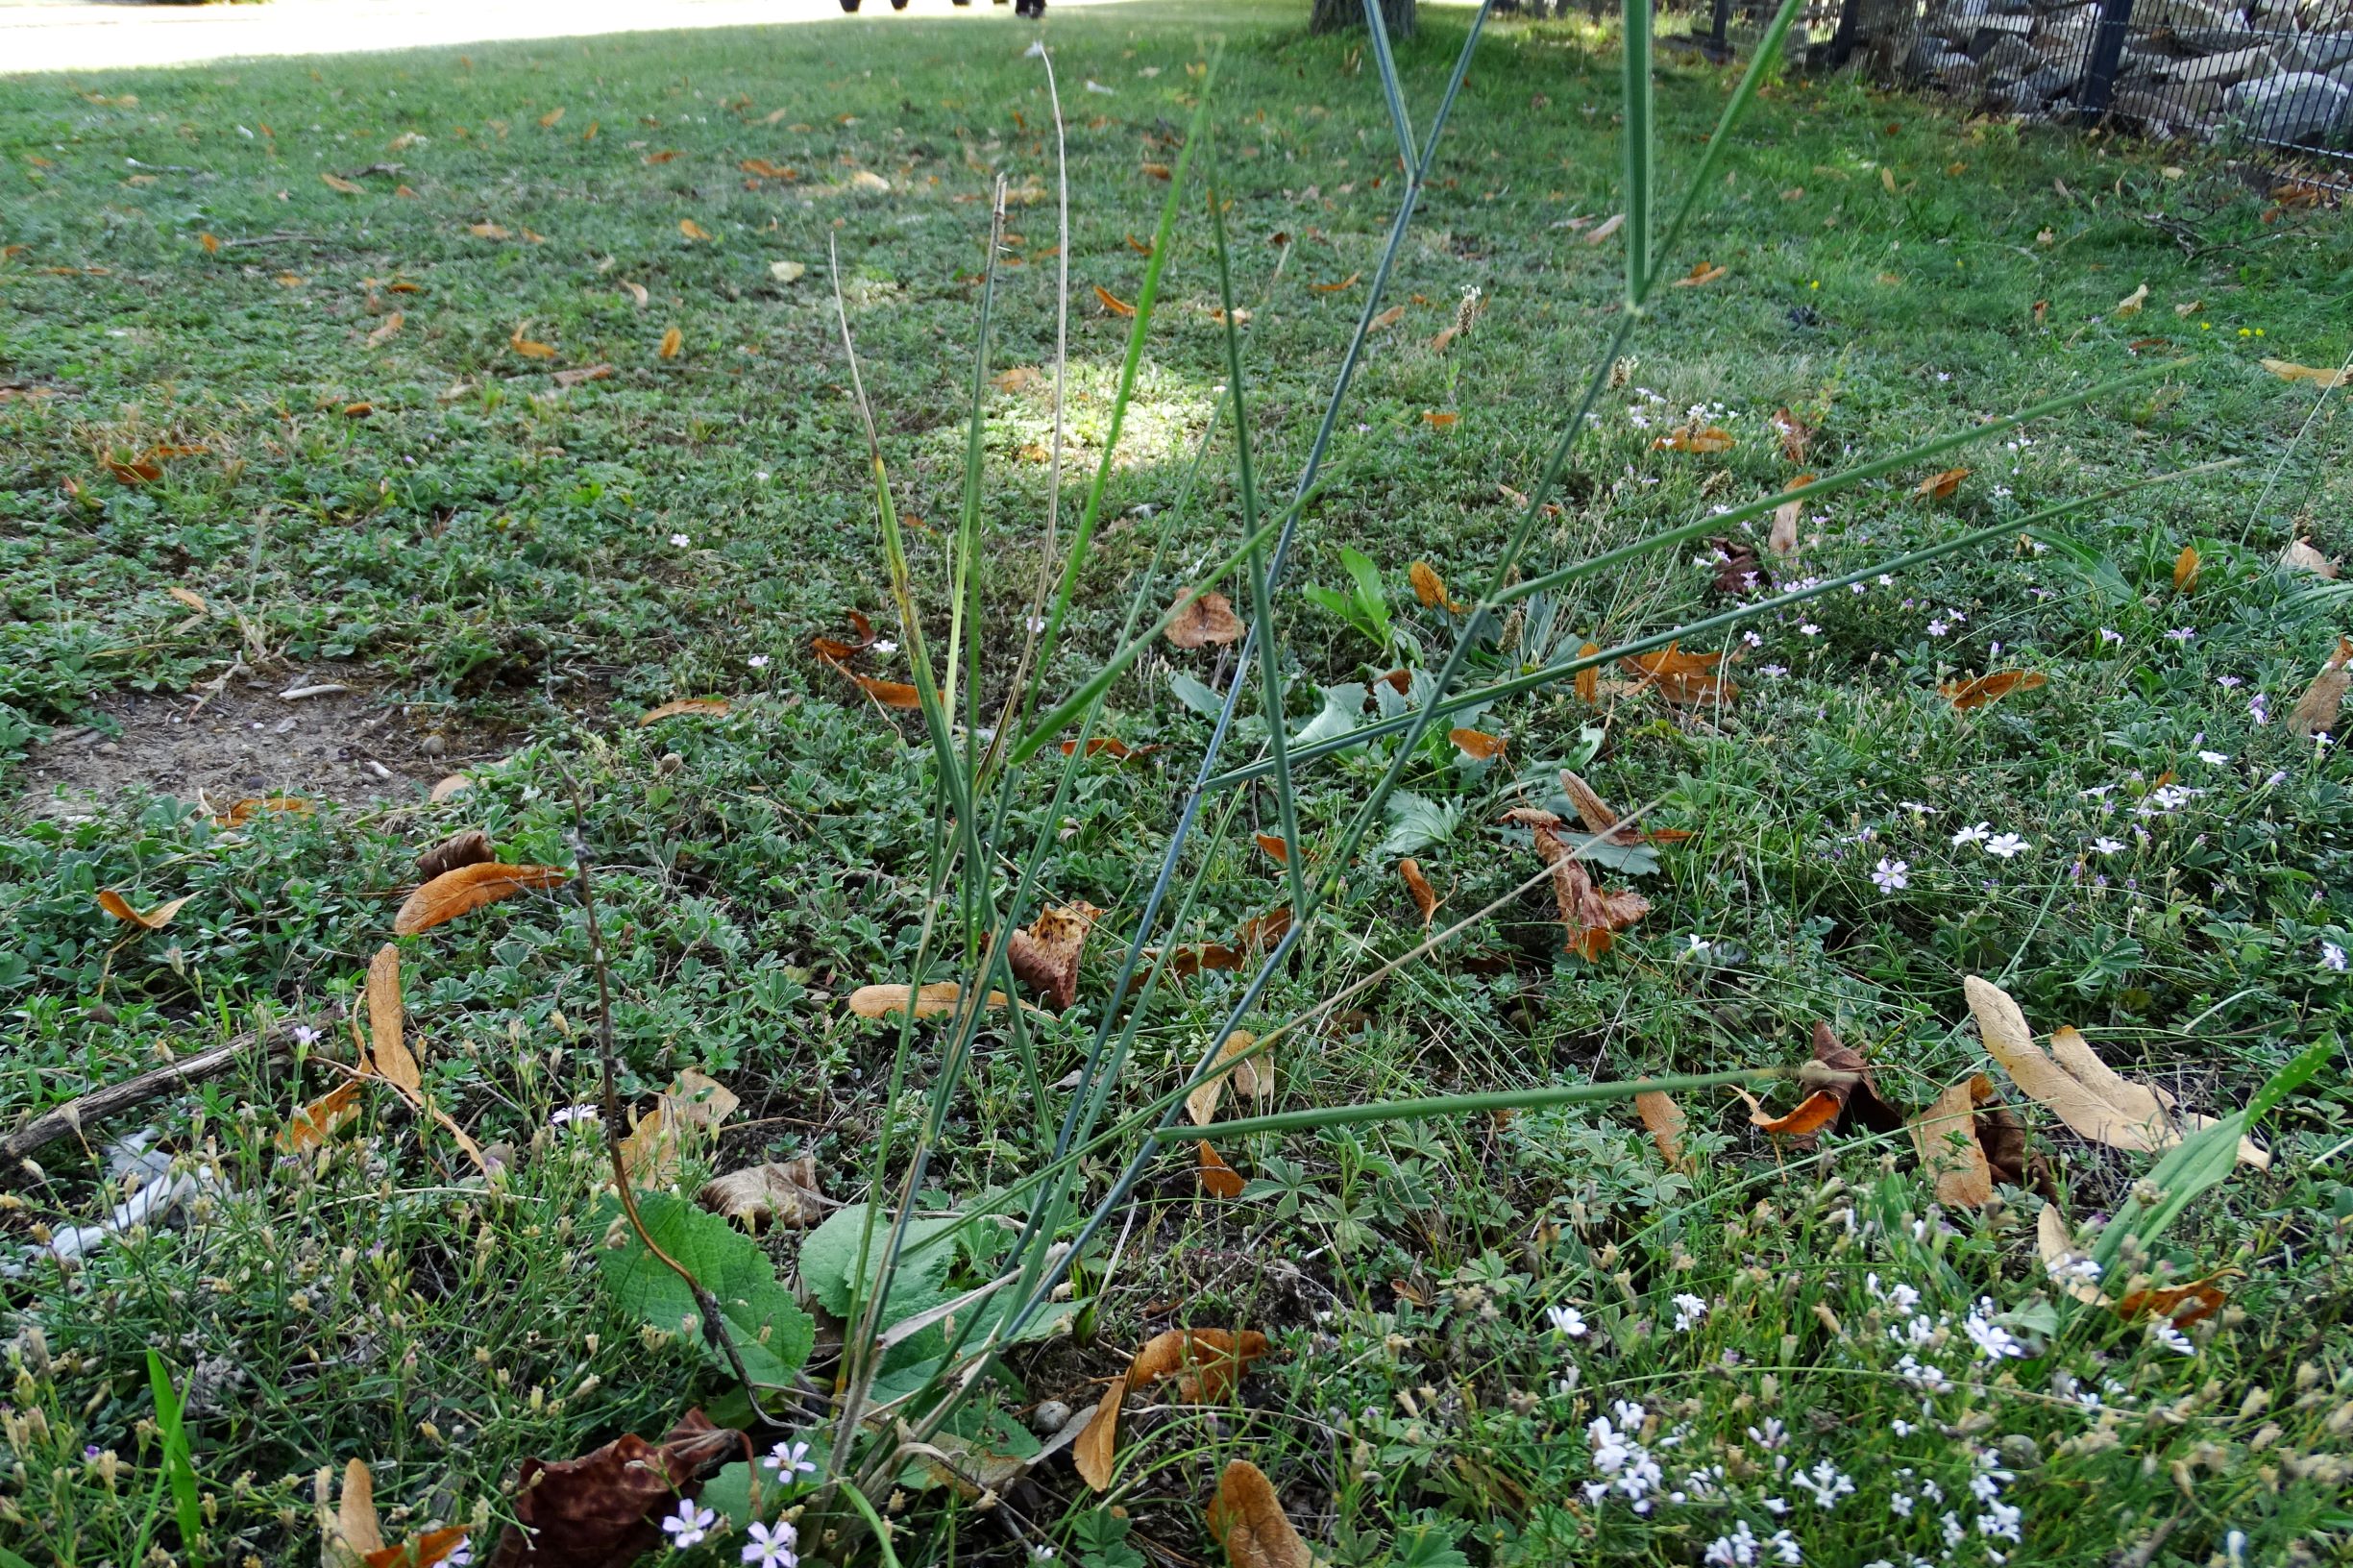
[[93, 35]]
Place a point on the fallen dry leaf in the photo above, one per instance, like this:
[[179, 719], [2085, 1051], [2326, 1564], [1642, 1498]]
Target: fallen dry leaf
[[1108, 745], [1439, 419], [1417, 887], [693, 1105], [1595, 812], [352, 1530], [384, 333], [1606, 227], [349, 187], [2318, 707], [1991, 688], [1665, 1121], [1204, 621], [1254, 1078], [1782, 540], [2287, 371], [2066, 1261], [1945, 1136], [1248, 1519], [583, 373], [1389, 318], [529, 347], [2300, 556], [599, 1510], [1795, 434], [1431, 589], [637, 293], [2130, 305], [1701, 272], [488, 230], [448, 785], [931, 1001], [1591, 917], [1682, 678], [469, 887], [319, 1120], [693, 230], [1274, 846], [153, 919], [2081, 1090], [1218, 1177], [780, 1193], [470, 847], [426, 1551], [241, 812], [388, 1056], [891, 693], [1205, 1362], [1589, 678], [716, 706], [2185, 570], [1045, 957], [672, 342], [1937, 486], [1347, 283], [1477, 744], [1112, 302], [1695, 436]]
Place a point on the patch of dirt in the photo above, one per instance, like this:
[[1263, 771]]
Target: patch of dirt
[[345, 747]]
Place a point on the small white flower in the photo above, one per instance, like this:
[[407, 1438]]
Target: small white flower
[[790, 1459], [2106, 845], [681, 540], [1689, 1309], [2214, 759], [2182, 634], [305, 1035], [1697, 943], [460, 1555], [1776, 670], [1785, 1547], [2332, 956], [1567, 1320], [688, 1526], [582, 1114], [1811, 629], [2008, 845], [1937, 629], [1973, 835], [2108, 636], [758, 661], [1891, 876], [1752, 638], [884, 647], [771, 1545]]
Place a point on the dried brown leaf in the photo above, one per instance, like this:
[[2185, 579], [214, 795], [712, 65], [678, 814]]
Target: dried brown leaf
[[1248, 1519], [1666, 1122], [2300, 556], [1204, 621], [1255, 1078], [1477, 744], [1937, 486], [2287, 371], [931, 1001], [1991, 688], [1417, 886], [717, 707], [470, 847], [1045, 957], [468, 888], [599, 1510], [153, 919], [390, 1057], [1429, 588], [2185, 570], [2317, 709], [319, 1120], [780, 1193], [1945, 1136], [1218, 1177]]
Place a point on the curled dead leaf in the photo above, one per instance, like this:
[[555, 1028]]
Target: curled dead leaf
[[1946, 1137], [1701, 272], [931, 1001], [470, 847], [1795, 434], [2287, 371], [2300, 556], [1112, 302], [529, 347], [2130, 305], [1589, 678], [599, 1510], [672, 342], [1108, 745], [1218, 1177], [1046, 956], [1254, 1078], [580, 374], [388, 1056], [468, 888], [693, 1106], [153, 919], [1591, 917], [1991, 688], [1937, 486], [693, 230], [784, 1193], [2317, 709], [1417, 886], [1682, 678], [1248, 1519], [1477, 744], [2185, 570], [716, 706], [1695, 436], [1203, 620], [1347, 283], [1606, 227], [385, 332], [241, 812], [1431, 589], [1273, 844], [2081, 1090], [1665, 1121], [321, 1120]]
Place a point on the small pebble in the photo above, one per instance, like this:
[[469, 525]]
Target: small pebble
[[1049, 1418]]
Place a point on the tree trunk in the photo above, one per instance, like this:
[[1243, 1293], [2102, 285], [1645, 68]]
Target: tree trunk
[[1330, 15]]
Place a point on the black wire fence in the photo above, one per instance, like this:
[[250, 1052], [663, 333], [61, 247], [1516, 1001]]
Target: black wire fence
[[2269, 81]]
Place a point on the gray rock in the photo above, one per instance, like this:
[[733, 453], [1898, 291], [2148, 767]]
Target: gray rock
[[2293, 106], [2010, 57], [2317, 52], [2226, 69], [1992, 30]]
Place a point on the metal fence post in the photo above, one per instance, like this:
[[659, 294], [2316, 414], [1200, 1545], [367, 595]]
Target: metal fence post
[[2107, 50]]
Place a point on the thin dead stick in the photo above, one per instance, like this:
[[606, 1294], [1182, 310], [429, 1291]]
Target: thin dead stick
[[714, 1321], [274, 1041]]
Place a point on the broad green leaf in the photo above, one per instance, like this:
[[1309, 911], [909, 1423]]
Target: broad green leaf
[[829, 1257], [1193, 694], [770, 1331], [1417, 822], [1344, 705]]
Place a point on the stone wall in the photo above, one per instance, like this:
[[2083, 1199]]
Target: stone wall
[[2281, 73]]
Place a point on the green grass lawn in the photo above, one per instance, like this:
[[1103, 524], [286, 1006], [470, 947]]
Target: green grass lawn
[[361, 372]]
